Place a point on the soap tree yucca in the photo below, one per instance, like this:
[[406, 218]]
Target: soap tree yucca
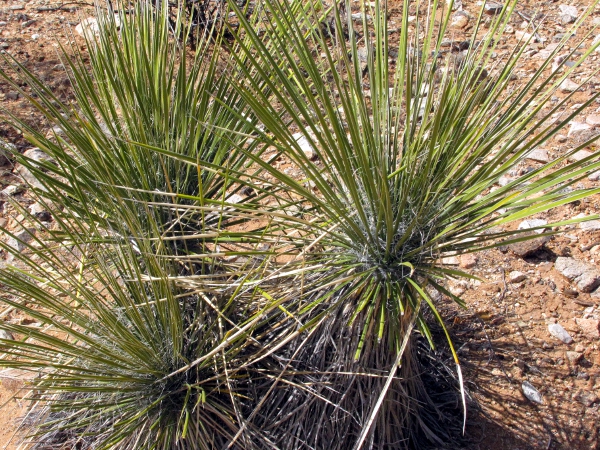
[[139, 88], [109, 340], [408, 155]]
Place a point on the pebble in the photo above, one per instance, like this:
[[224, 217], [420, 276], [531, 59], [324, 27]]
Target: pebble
[[468, 261], [305, 145], [460, 20], [556, 330], [586, 398], [450, 261], [503, 181], [569, 11], [11, 190], [493, 8], [516, 277], [531, 392], [579, 129], [593, 120], [568, 86], [581, 154], [523, 35], [589, 327], [38, 211], [234, 199], [20, 239], [590, 225], [533, 223], [539, 155], [560, 138], [527, 247], [573, 357], [6, 335], [594, 176]]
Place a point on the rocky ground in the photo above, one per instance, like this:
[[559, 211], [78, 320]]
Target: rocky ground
[[530, 338]]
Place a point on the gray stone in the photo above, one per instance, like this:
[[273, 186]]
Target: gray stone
[[503, 181], [36, 155], [529, 246], [580, 130], [531, 393], [20, 239], [585, 275], [493, 8], [559, 333], [594, 176], [6, 150]]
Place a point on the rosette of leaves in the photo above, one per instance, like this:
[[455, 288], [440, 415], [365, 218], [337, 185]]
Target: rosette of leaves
[[140, 91], [409, 142]]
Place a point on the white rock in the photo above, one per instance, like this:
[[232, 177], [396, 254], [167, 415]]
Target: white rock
[[6, 335], [11, 190], [531, 393], [593, 120], [516, 277], [595, 176], [523, 35], [539, 155], [533, 223], [305, 145], [88, 27], [235, 199], [451, 261], [596, 41], [560, 333], [568, 86], [546, 52], [581, 154], [568, 10], [590, 225], [578, 129], [503, 181]]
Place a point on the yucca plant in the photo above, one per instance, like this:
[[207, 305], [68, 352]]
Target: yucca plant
[[407, 154], [138, 88], [142, 336], [122, 355]]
